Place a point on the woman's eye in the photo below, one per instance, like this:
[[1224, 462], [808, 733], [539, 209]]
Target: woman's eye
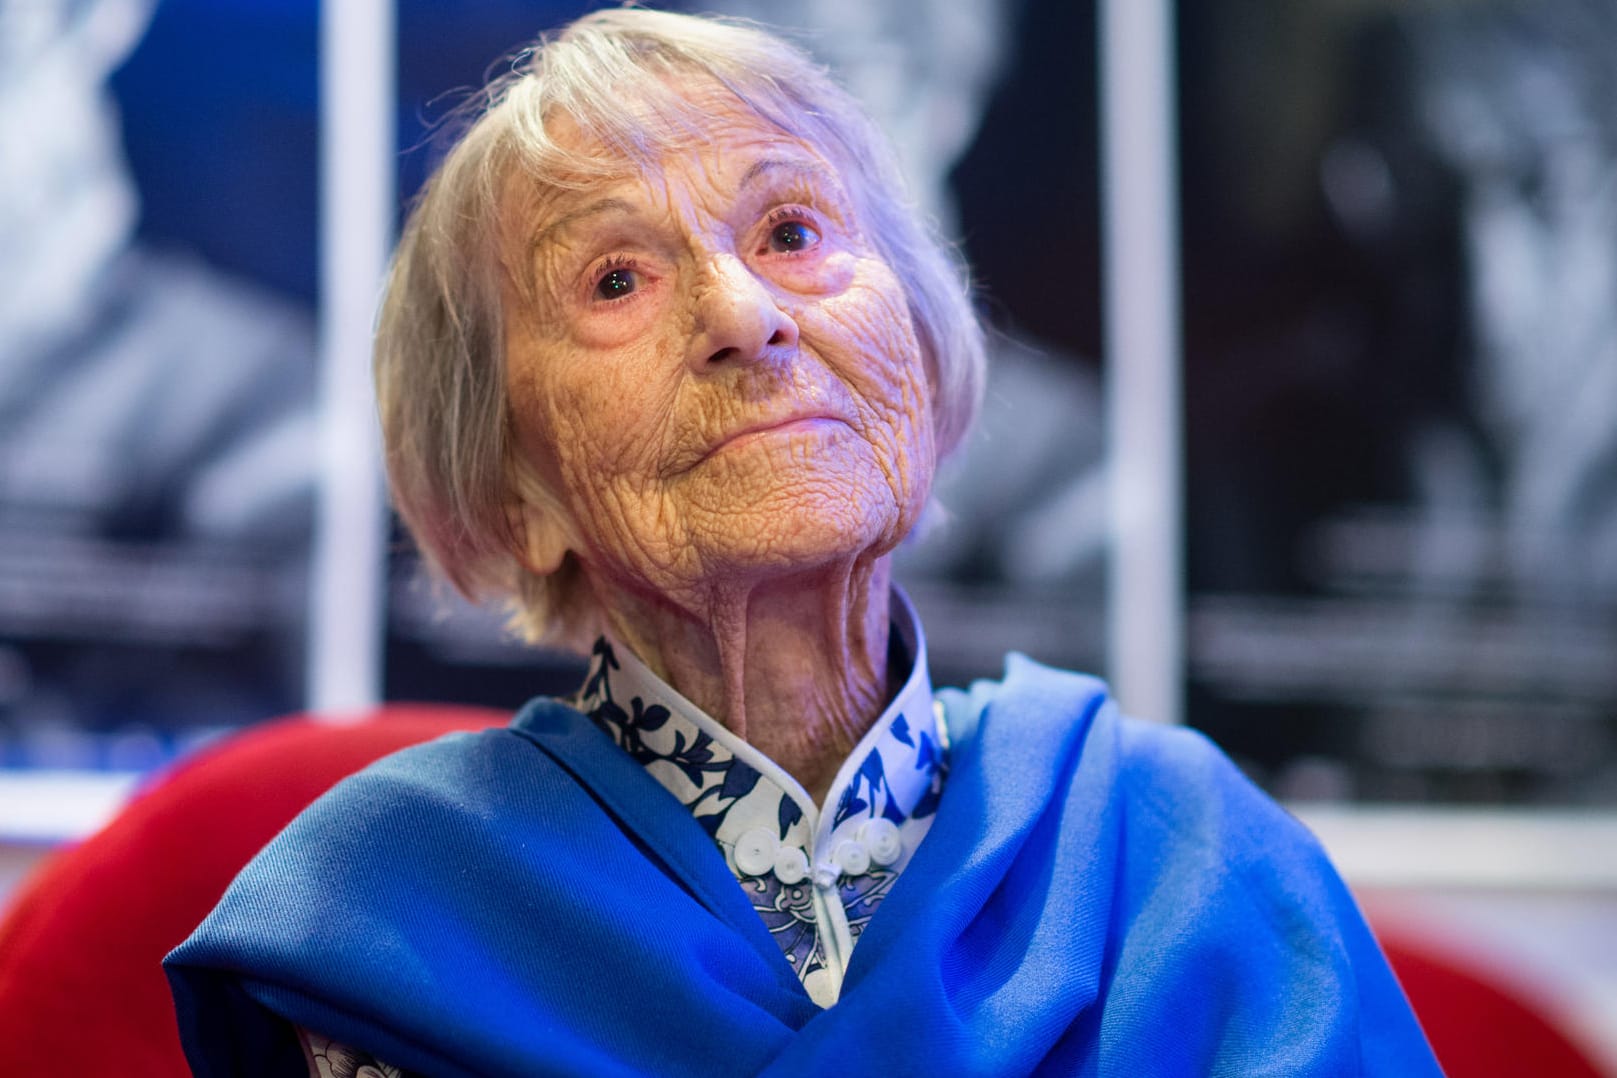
[[617, 283], [789, 236]]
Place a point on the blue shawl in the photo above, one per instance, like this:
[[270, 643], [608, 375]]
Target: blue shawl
[[1097, 897]]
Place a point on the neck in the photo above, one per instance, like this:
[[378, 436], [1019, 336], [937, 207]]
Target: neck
[[796, 667]]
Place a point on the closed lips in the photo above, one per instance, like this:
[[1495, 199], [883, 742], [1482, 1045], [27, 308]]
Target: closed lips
[[773, 426]]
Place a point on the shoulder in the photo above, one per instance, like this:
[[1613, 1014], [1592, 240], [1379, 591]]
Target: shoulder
[[1184, 778], [331, 915], [1180, 812], [350, 865], [1205, 859], [403, 799], [461, 781], [1172, 772], [1211, 891], [410, 814], [1197, 823], [1228, 896]]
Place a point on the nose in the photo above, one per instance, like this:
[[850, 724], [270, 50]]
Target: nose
[[737, 318]]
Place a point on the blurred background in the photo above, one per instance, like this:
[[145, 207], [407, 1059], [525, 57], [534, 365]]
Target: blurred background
[[1398, 388]]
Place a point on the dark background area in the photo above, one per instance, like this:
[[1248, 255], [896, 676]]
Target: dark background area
[[1331, 338]]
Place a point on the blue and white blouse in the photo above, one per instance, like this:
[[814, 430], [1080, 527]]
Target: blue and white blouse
[[816, 875]]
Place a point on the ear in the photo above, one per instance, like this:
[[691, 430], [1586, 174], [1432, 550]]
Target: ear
[[537, 524], [538, 537]]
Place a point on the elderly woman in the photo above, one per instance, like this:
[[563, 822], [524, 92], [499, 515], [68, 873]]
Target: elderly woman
[[667, 360]]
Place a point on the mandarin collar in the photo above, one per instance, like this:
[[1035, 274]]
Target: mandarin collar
[[791, 856], [691, 754]]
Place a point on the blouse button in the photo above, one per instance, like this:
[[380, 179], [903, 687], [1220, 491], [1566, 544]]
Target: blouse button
[[880, 837], [825, 874], [755, 851], [791, 865], [852, 857]]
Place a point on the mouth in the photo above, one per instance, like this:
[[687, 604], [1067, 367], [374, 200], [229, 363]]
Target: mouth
[[772, 428]]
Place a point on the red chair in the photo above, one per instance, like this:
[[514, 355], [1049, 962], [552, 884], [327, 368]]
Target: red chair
[[82, 990], [1480, 1023]]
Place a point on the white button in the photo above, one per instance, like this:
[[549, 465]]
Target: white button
[[755, 851], [853, 857], [791, 865], [881, 839], [825, 874]]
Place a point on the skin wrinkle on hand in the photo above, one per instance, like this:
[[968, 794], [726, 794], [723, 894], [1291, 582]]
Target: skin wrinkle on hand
[[749, 570]]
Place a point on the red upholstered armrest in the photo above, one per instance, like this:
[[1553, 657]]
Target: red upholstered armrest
[[1480, 1023], [81, 985]]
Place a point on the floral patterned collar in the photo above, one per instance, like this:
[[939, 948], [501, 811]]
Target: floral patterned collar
[[815, 877]]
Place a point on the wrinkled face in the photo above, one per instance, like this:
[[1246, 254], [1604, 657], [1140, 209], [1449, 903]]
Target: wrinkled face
[[718, 379]]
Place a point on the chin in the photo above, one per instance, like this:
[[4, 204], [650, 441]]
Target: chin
[[801, 513], [798, 534]]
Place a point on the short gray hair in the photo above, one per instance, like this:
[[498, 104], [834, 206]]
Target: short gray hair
[[440, 343]]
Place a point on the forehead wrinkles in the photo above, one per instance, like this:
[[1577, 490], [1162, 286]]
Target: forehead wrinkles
[[663, 120], [684, 185]]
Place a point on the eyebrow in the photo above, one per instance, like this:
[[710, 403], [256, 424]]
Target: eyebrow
[[594, 209], [812, 170]]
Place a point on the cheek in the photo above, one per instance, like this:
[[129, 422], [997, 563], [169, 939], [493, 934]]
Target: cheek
[[529, 424], [829, 277], [870, 341], [607, 410]]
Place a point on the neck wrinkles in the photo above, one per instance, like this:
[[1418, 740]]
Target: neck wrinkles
[[797, 668]]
